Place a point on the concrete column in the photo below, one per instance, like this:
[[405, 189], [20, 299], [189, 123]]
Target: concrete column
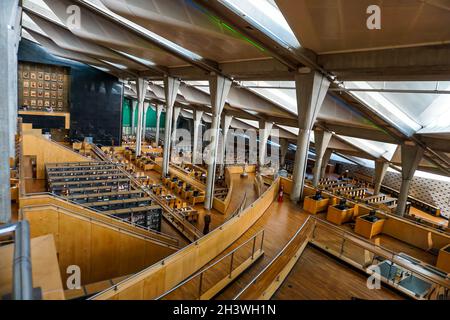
[[171, 86], [411, 156], [158, 120], [321, 140], [381, 167], [311, 89], [226, 122], [14, 36], [141, 86], [8, 105], [219, 88], [196, 152], [284, 146], [134, 106], [176, 115], [144, 120], [325, 159], [265, 128]]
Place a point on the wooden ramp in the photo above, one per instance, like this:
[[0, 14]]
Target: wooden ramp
[[408, 275]]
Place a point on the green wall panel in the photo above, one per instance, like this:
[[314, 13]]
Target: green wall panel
[[150, 120]]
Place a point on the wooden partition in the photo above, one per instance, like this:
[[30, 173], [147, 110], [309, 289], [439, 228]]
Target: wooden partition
[[47, 151], [222, 205], [288, 185], [411, 233], [159, 278], [101, 250], [407, 231], [47, 199], [240, 169]]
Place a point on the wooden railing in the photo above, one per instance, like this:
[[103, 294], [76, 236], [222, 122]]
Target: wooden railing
[[50, 199], [354, 250], [205, 284], [368, 257], [163, 276], [264, 285], [222, 205]]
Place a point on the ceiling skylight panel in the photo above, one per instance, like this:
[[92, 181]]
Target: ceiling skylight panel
[[99, 6], [116, 65], [40, 7], [265, 16], [286, 99], [141, 60], [385, 108]]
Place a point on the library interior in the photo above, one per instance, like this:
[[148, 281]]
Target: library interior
[[225, 150]]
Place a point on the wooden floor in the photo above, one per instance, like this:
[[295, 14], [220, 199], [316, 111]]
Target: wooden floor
[[318, 276], [280, 222]]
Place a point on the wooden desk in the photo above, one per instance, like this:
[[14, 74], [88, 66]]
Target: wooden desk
[[338, 216], [367, 228], [443, 261], [66, 115], [315, 206], [189, 214]]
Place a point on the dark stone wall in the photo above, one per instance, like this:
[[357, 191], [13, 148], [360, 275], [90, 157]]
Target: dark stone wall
[[95, 97]]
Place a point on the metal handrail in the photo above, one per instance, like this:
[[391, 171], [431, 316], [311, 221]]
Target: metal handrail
[[345, 235], [192, 229], [22, 275], [394, 255], [231, 253], [255, 279]]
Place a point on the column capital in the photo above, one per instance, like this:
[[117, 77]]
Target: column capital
[[219, 88]]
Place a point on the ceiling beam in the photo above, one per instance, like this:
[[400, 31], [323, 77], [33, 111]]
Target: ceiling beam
[[399, 64], [358, 132]]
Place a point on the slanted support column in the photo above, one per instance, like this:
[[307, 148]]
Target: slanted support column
[[176, 115], [171, 86], [219, 88], [284, 146], [226, 122], [265, 128], [310, 90], [411, 156], [381, 167], [144, 120], [9, 36], [134, 107], [196, 153], [159, 108], [141, 86], [325, 160], [321, 140]]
